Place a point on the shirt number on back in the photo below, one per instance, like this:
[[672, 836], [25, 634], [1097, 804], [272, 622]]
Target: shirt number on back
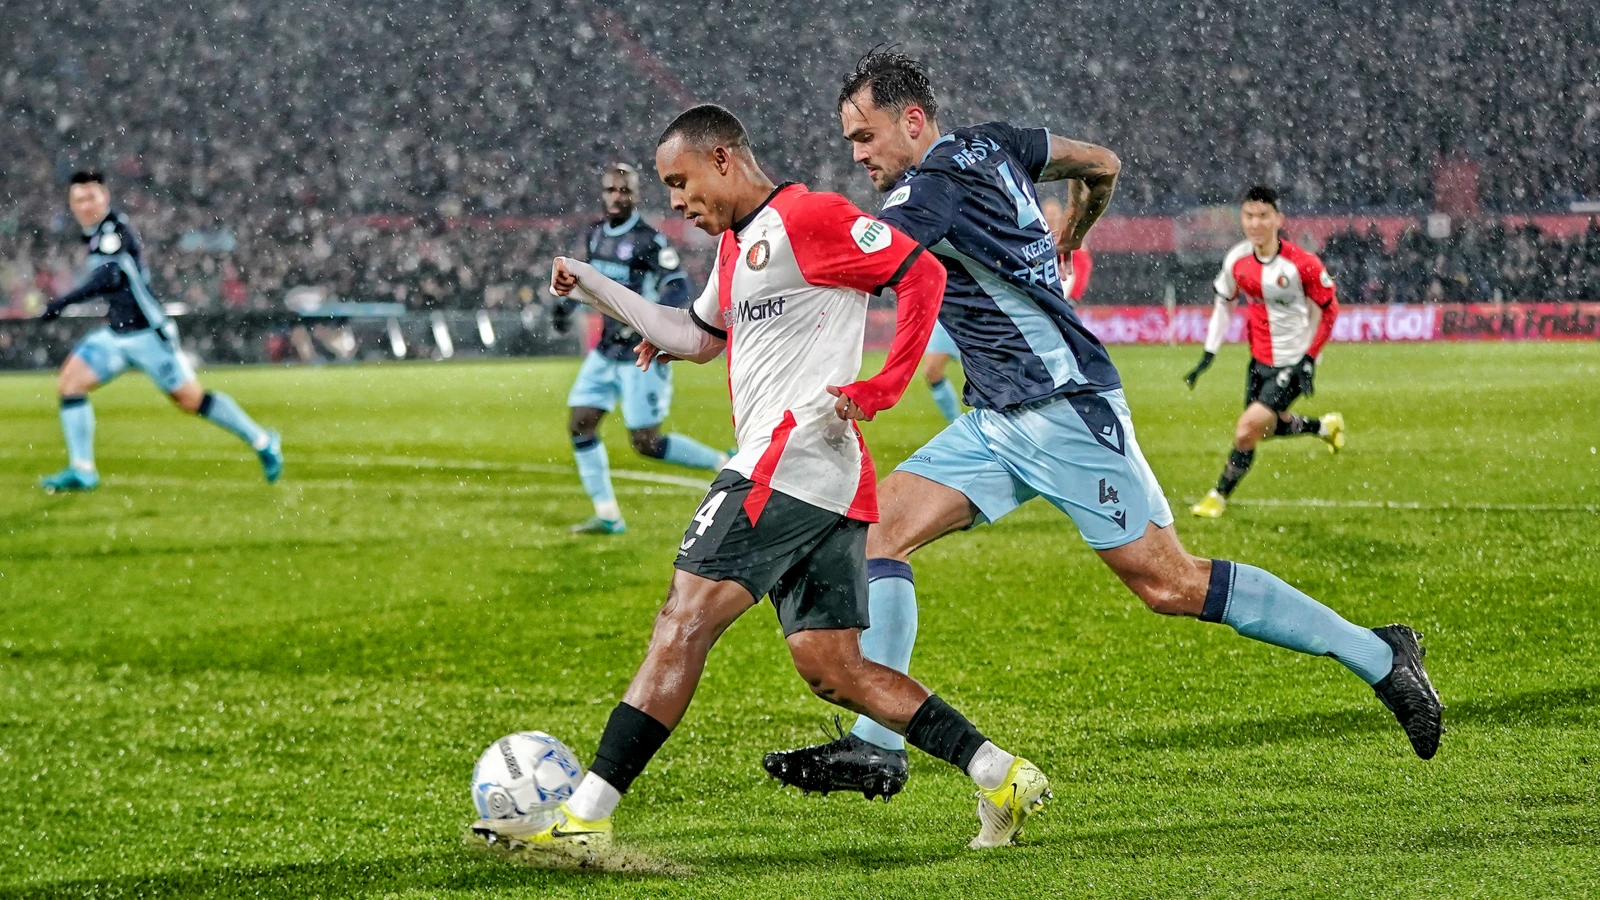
[[1027, 207]]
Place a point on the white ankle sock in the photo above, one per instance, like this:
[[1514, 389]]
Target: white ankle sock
[[989, 766], [608, 510], [595, 798]]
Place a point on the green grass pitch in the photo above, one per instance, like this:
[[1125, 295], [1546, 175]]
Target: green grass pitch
[[210, 686]]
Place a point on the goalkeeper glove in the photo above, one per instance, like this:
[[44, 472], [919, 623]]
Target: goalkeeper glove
[[1194, 374]]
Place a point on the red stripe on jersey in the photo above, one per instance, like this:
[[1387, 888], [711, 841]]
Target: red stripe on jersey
[[756, 501], [864, 508], [768, 463], [727, 262]]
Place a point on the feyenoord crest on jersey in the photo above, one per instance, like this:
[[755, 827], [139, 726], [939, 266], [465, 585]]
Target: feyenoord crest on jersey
[[760, 253]]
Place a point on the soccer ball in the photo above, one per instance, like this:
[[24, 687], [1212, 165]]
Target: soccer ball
[[523, 773]]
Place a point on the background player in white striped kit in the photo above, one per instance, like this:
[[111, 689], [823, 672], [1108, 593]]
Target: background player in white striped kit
[[1290, 307]]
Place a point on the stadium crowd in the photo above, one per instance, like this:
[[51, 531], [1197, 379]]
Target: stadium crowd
[[253, 142]]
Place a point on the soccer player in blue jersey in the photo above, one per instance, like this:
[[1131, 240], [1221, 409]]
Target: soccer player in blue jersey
[[627, 250], [138, 333], [1049, 417]]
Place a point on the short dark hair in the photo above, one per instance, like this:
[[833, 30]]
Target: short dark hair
[[705, 125], [86, 176], [1260, 193], [897, 81]]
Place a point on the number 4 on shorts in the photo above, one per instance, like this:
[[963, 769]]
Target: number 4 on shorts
[[708, 512]]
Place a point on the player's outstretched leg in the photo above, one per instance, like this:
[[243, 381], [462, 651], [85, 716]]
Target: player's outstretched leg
[[222, 411], [1259, 605], [77, 426], [678, 449], [1010, 788], [869, 758], [696, 613]]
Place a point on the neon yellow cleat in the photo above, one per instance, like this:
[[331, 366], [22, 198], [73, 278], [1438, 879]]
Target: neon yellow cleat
[[555, 834], [1212, 507], [1003, 811], [1333, 431]]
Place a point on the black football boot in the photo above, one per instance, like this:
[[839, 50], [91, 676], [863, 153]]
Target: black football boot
[[846, 763], [1407, 691]]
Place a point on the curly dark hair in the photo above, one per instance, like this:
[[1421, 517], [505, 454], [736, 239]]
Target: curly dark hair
[[897, 81]]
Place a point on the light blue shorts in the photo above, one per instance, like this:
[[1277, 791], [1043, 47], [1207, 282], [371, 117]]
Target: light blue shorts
[[942, 342], [155, 354], [646, 396], [1079, 453]]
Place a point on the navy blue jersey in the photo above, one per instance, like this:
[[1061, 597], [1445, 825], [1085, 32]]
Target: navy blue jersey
[[971, 202], [116, 271], [636, 255]]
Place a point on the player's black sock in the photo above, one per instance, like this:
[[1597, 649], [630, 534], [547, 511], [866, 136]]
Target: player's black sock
[[937, 729], [1297, 424], [1238, 463], [630, 740]]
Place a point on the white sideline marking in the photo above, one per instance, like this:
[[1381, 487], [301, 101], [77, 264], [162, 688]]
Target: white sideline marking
[[420, 462], [1316, 503]]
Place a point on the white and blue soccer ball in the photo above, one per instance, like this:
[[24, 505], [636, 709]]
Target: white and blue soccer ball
[[523, 773]]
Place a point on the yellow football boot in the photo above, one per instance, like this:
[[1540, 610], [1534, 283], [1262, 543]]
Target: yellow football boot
[[1333, 431], [1212, 507], [557, 834], [1003, 811]]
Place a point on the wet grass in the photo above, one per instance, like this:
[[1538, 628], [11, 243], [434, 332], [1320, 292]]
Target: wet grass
[[212, 687]]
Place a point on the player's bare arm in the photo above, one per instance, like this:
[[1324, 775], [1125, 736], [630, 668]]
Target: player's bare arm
[[1093, 171]]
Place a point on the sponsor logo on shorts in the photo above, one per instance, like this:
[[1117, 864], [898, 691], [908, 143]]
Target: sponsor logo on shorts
[[1121, 518], [1108, 494], [920, 457]]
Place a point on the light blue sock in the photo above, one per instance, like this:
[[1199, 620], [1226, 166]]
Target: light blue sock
[[220, 409], [892, 606], [944, 397], [686, 451], [1260, 605], [77, 423], [594, 470]]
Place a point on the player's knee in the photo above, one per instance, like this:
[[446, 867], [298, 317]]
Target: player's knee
[[824, 662], [648, 442], [582, 424]]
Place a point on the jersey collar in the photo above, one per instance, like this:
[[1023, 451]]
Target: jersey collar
[[89, 233], [744, 223], [624, 228], [945, 138]]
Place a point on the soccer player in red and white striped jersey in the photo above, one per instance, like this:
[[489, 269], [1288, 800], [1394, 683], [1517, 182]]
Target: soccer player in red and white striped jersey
[[787, 517], [1290, 306]]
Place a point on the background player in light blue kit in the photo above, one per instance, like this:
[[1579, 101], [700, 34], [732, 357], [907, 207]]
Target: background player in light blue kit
[[138, 333], [1050, 418], [627, 250]]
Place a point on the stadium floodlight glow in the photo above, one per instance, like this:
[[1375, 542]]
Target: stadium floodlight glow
[[485, 329], [441, 337], [397, 341]]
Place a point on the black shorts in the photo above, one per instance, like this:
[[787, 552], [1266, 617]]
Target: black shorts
[[1274, 387], [811, 561]]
